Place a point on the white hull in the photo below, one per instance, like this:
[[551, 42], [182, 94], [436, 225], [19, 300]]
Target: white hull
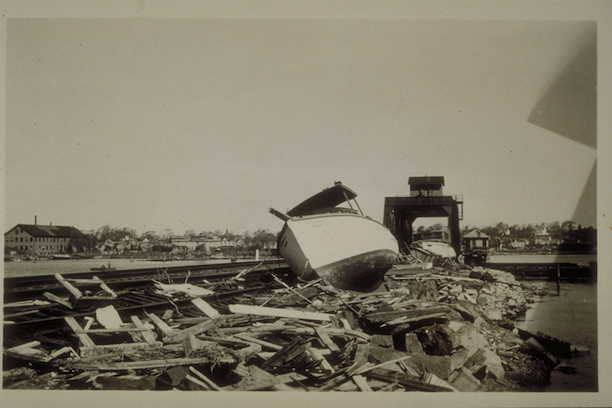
[[349, 251]]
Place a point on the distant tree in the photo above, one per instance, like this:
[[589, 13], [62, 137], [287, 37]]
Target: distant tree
[[436, 227], [150, 235]]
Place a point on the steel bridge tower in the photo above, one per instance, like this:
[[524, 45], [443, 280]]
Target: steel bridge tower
[[426, 200]]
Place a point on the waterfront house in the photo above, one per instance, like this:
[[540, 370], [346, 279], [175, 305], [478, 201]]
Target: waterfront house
[[475, 240], [42, 239], [542, 237]]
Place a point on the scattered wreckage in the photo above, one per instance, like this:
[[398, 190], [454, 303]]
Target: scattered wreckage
[[422, 330]]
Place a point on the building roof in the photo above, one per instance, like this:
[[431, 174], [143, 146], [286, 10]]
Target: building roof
[[431, 183], [476, 234], [58, 231]]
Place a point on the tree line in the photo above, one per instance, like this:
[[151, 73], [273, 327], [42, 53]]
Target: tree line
[[90, 240]]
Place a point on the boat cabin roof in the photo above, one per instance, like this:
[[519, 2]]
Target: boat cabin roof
[[330, 197]]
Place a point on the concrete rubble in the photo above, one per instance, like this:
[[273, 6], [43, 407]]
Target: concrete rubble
[[432, 330]]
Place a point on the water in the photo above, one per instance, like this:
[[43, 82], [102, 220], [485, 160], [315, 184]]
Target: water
[[50, 267], [571, 316], [580, 259]]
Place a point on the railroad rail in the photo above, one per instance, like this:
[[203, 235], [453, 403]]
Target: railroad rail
[[136, 294], [28, 287]]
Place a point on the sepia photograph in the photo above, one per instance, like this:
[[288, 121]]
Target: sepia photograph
[[230, 202]]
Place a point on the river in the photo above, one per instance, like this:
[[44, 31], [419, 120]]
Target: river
[[570, 316]]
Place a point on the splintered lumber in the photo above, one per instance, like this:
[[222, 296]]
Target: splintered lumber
[[262, 343], [407, 381], [326, 339], [362, 383], [410, 313], [24, 346], [95, 280], [84, 338], [191, 344], [180, 335], [142, 365], [75, 291], [204, 378], [287, 353], [163, 326], [57, 299], [271, 382], [207, 309], [186, 288], [148, 335], [270, 311], [316, 354]]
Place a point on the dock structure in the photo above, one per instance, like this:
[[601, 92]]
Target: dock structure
[[426, 200]]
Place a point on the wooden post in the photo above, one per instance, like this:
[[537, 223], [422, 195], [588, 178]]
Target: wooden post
[[558, 279]]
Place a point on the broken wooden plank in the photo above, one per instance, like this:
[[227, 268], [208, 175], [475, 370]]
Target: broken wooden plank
[[179, 335], [119, 347], [84, 338], [275, 380], [191, 344], [270, 311], [322, 333], [147, 335], [207, 309], [75, 291], [262, 343], [197, 382], [407, 381], [142, 365], [362, 383], [57, 299], [30, 344], [316, 354], [163, 326], [204, 378]]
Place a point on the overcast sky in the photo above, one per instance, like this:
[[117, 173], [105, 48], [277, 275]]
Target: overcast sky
[[204, 124]]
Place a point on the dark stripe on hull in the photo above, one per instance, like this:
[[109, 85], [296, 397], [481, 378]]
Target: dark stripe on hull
[[363, 273]]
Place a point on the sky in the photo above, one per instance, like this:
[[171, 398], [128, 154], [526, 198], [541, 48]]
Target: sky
[[204, 123]]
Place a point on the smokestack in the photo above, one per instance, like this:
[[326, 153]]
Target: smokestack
[[35, 223]]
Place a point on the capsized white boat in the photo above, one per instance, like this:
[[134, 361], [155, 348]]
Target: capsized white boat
[[341, 245]]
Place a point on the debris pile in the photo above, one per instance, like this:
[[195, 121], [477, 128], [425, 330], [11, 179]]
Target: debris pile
[[423, 330]]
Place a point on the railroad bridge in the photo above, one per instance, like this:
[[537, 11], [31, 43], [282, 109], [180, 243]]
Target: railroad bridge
[[426, 200]]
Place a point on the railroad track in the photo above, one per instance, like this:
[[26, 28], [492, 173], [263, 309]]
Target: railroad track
[[136, 294], [30, 287]]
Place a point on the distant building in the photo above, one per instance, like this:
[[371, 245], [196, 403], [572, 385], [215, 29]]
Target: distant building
[[519, 244], [41, 239], [542, 237], [475, 240]]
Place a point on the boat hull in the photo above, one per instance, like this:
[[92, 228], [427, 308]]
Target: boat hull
[[348, 251]]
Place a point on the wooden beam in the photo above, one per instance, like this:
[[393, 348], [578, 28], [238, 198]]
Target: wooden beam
[[75, 292], [142, 365], [322, 333], [57, 299], [270, 311], [204, 378], [85, 339], [249, 339], [148, 335], [163, 326], [207, 309]]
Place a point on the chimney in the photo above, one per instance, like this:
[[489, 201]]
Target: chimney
[[35, 223]]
